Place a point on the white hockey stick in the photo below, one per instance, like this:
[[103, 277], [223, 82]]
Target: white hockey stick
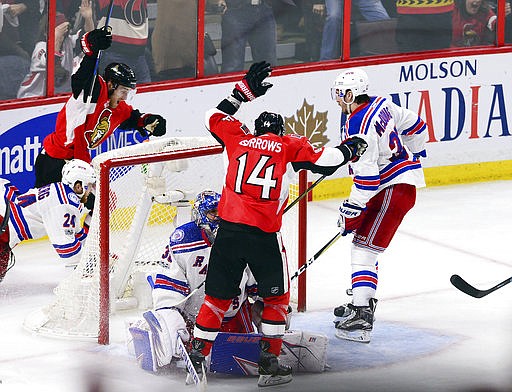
[[192, 376]]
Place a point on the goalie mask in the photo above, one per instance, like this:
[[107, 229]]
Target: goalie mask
[[204, 211], [78, 170], [120, 75], [269, 123], [355, 80]]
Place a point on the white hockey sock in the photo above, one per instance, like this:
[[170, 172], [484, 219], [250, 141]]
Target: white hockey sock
[[364, 275]]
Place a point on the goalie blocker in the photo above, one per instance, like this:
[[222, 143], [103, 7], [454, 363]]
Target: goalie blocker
[[233, 353]]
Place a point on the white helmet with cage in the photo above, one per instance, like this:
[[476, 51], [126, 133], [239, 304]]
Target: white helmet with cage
[[354, 79], [78, 170]]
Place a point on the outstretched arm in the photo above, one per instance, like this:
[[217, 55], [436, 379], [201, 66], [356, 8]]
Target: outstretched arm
[[249, 88]]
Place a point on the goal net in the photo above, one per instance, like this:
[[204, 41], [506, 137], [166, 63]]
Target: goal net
[[143, 193]]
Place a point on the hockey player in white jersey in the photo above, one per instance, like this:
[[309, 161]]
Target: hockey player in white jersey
[[54, 210], [155, 337], [384, 186], [188, 253]]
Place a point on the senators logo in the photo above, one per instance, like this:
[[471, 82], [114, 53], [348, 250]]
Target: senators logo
[[95, 137]]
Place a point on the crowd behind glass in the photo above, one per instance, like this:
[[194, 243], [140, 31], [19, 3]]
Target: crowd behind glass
[[158, 38]]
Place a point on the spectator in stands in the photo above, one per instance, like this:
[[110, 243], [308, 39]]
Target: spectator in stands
[[314, 19], [424, 25], [174, 39], [66, 58], [474, 23], [247, 21], [370, 10], [130, 30], [14, 61], [24, 17]]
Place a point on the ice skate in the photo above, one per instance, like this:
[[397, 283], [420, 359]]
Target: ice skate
[[270, 371], [197, 360], [355, 322]]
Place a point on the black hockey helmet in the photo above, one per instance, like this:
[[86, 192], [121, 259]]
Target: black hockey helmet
[[269, 122], [120, 74]]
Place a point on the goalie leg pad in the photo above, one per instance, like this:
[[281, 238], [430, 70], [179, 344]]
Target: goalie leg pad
[[144, 349], [304, 351], [160, 339], [235, 353], [238, 353]]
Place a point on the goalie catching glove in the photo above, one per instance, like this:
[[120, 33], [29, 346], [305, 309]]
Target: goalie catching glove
[[152, 124], [96, 40], [252, 85], [349, 217]]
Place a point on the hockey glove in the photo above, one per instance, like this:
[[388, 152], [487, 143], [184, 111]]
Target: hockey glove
[[152, 124], [96, 40], [353, 148], [252, 85], [349, 217], [89, 203]]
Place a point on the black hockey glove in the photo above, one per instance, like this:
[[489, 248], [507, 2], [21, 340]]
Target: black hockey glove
[[352, 148], [252, 85], [152, 124], [96, 40], [89, 203]]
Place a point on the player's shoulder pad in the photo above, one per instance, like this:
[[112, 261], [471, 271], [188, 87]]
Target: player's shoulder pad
[[66, 193], [188, 232]]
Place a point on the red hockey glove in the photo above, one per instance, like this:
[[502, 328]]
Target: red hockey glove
[[252, 85]]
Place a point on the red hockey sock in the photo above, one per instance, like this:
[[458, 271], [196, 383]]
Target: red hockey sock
[[275, 345]]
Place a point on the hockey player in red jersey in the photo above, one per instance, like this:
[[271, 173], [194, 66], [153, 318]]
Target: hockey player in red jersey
[[251, 207], [82, 125]]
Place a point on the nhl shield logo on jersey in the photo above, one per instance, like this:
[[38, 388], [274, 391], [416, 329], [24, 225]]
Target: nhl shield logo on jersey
[[95, 137], [177, 235], [73, 198]]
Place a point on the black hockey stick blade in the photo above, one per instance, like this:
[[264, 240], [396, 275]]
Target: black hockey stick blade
[[465, 287]]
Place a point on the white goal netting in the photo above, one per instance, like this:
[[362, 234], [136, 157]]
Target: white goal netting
[[148, 196]]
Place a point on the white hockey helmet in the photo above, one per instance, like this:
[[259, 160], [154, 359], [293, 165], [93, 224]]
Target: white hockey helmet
[[354, 79], [78, 170]]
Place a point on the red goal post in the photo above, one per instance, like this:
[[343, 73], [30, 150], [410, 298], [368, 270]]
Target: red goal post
[[143, 192]]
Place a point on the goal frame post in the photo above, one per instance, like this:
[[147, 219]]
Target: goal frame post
[[104, 212]]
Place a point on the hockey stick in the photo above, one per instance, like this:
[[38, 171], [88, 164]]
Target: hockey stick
[[301, 196], [97, 65], [303, 267], [466, 288], [316, 256], [295, 275], [200, 382]]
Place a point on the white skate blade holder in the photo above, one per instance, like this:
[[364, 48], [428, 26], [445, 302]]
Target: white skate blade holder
[[360, 335], [269, 380]]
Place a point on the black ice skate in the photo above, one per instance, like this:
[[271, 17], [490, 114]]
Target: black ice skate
[[355, 322], [197, 360], [269, 369]]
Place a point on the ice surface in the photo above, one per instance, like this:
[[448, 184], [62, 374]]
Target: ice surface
[[428, 336]]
